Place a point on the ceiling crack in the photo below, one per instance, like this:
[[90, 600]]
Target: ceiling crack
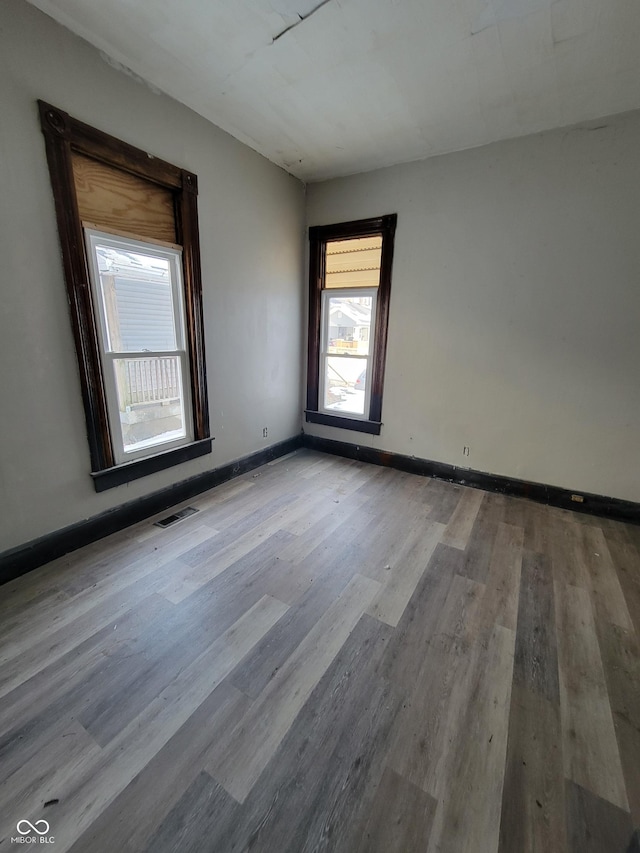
[[302, 18]]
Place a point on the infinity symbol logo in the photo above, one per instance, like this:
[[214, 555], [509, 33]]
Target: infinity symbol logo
[[32, 828]]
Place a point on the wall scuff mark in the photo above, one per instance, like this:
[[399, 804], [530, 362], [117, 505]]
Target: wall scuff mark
[[124, 69]]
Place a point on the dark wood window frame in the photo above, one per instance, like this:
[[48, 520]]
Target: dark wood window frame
[[65, 136], [384, 226]]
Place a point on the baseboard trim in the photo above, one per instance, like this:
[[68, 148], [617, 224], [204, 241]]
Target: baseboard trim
[[613, 508], [22, 559]]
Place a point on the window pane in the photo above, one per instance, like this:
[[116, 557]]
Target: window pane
[[150, 401], [345, 383], [137, 298], [353, 263], [349, 324]]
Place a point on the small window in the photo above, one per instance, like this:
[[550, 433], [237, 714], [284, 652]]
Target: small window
[[350, 284], [137, 289]]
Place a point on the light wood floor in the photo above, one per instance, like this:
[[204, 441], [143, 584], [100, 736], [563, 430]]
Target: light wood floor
[[330, 656]]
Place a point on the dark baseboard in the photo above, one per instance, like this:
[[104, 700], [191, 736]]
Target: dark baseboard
[[614, 508], [17, 561], [22, 559]]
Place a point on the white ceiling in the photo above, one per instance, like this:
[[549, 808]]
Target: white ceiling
[[361, 84]]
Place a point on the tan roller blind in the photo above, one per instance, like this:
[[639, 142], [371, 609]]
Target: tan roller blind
[[353, 263], [117, 200]]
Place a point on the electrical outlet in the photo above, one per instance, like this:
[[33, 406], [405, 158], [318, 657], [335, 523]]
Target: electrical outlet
[[265, 432], [577, 499], [465, 451]]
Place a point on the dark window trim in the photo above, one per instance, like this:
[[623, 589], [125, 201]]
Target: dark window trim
[[318, 237], [128, 471], [357, 424], [64, 135]]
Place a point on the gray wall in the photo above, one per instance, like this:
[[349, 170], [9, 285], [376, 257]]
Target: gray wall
[[515, 303], [515, 308], [251, 224]]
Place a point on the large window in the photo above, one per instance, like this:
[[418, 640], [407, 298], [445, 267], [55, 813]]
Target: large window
[[129, 232], [350, 286]]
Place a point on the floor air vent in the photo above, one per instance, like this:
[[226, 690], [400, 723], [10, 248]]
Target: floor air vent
[[176, 517]]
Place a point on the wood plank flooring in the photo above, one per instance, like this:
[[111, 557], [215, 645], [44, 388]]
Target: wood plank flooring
[[329, 656]]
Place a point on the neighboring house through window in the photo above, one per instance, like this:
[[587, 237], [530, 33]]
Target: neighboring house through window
[[349, 293]]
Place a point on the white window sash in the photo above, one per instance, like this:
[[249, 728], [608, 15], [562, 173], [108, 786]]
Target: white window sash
[[108, 356], [326, 295]]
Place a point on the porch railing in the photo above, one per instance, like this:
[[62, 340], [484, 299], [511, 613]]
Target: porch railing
[[152, 380]]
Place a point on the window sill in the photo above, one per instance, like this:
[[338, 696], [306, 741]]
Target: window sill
[[121, 474], [371, 427]]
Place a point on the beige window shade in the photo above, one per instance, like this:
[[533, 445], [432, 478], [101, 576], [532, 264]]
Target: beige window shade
[[117, 200], [353, 263]]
